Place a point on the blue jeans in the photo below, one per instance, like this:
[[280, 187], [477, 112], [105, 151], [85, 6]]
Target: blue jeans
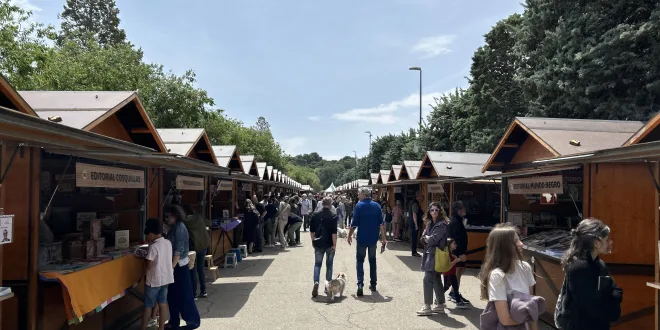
[[181, 300], [154, 295], [197, 273], [318, 261], [360, 255]]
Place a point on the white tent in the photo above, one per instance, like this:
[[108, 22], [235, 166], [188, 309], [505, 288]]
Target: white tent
[[330, 189]]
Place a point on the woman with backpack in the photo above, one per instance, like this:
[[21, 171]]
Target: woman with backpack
[[589, 299]]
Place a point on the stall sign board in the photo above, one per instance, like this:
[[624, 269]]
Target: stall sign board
[[537, 185], [95, 176], [6, 229], [247, 187], [189, 183], [436, 188], [397, 190], [224, 185]]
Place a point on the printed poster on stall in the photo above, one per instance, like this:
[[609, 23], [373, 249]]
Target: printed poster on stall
[[189, 183], [6, 229], [537, 185], [224, 185], [88, 175]]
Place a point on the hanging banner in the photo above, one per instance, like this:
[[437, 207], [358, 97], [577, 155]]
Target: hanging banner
[[6, 229], [436, 188], [537, 185], [224, 185], [189, 183], [95, 176]]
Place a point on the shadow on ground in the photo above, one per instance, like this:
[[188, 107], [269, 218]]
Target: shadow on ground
[[414, 263], [326, 300], [247, 268], [374, 298], [228, 299]]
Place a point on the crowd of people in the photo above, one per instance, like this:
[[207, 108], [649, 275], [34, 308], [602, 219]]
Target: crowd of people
[[589, 299]]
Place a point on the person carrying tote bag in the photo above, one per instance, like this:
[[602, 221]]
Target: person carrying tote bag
[[434, 237]]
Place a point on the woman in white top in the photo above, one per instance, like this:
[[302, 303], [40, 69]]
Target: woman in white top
[[504, 271]]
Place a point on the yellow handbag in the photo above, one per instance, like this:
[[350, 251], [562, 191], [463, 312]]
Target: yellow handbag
[[442, 260]]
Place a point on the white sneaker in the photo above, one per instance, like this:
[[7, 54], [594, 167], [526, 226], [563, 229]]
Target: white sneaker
[[425, 311], [438, 308]]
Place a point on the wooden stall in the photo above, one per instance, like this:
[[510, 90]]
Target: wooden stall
[[118, 115], [23, 186], [554, 176], [479, 197], [224, 203]]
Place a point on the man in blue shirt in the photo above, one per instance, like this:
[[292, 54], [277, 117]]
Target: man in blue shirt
[[368, 219]]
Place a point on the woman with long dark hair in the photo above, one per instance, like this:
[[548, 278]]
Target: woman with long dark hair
[[251, 218], [594, 299], [180, 296], [434, 236]]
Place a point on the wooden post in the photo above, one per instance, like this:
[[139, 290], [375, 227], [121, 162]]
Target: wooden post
[[234, 197], [657, 255], [451, 196]]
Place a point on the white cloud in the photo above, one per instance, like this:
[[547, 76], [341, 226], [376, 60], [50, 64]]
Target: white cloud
[[292, 145], [26, 4], [387, 114], [314, 118], [434, 46]]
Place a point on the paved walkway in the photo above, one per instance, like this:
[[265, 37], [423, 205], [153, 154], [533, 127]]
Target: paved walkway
[[272, 290]]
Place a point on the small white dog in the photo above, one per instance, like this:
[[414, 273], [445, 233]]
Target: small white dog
[[336, 286], [342, 233]]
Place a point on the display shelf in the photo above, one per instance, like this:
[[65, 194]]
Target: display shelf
[[7, 296]]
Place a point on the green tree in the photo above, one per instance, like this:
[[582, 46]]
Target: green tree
[[23, 44], [591, 59], [174, 101], [76, 68], [496, 94], [95, 19]]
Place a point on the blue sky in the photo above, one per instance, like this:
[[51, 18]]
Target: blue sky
[[321, 72]]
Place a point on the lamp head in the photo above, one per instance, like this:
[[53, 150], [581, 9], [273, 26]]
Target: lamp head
[[415, 68]]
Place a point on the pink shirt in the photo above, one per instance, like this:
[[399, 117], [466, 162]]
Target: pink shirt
[[397, 213], [160, 271]]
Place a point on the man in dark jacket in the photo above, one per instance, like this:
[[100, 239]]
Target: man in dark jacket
[[458, 232], [415, 222], [323, 229], [200, 240]]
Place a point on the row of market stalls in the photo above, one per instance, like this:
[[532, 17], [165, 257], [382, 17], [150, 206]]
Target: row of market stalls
[[544, 176], [80, 173]]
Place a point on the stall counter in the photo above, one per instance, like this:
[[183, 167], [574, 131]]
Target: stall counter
[[222, 240], [477, 236], [92, 288], [635, 314]]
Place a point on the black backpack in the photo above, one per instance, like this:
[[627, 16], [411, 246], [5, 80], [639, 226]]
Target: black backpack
[[319, 231], [562, 313]]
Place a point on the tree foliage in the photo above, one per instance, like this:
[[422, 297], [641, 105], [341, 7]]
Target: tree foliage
[[585, 59], [91, 52], [84, 20]]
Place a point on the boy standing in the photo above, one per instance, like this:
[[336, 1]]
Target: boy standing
[[159, 272]]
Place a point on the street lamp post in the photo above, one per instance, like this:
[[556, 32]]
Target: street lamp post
[[416, 68], [356, 165], [369, 158]]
